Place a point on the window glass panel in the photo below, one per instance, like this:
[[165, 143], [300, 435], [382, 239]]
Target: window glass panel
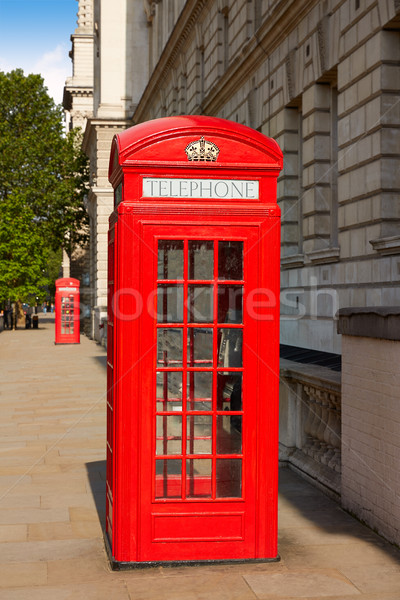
[[230, 260], [230, 304], [169, 434], [229, 434], [170, 304], [169, 391], [229, 391], [199, 434], [118, 195], [199, 390], [168, 478], [200, 347], [229, 477], [201, 259], [200, 303], [170, 259], [67, 314], [198, 478], [169, 347], [230, 347]]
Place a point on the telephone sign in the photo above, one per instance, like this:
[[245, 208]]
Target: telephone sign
[[193, 354]]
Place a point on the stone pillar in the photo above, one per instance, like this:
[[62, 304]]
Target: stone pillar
[[369, 116], [317, 197], [286, 128]]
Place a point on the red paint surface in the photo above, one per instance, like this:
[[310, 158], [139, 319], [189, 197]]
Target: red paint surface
[[173, 492]]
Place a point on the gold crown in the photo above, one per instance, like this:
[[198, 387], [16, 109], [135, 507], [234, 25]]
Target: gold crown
[[202, 150]]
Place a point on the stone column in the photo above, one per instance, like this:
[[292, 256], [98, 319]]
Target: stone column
[[317, 196]]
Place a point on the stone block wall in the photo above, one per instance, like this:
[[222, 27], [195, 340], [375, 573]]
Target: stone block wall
[[322, 78], [371, 417]]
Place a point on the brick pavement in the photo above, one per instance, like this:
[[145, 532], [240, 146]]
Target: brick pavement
[[52, 491]]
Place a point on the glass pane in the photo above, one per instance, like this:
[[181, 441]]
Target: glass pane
[[230, 260], [199, 434], [230, 304], [229, 434], [230, 347], [169, 391], [169, 434], [170, 304], [201, 259], [229, 477], [229, 391], [198, 478], [170, 259], [168, 478], [169, 347], [200, 347], [199, 390], [200, 303]]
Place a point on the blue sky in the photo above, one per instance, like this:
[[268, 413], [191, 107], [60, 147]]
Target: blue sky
[[35, 36]]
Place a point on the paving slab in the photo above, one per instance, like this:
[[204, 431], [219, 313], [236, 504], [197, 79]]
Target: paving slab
[[52, 503]]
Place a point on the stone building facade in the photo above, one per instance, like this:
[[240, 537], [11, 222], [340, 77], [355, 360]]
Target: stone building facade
[[322, 77], [100, 97]]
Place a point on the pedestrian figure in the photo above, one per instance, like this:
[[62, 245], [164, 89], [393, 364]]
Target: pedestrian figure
[[6, 317]]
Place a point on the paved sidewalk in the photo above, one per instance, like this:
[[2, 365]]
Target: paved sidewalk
[[52, 491]]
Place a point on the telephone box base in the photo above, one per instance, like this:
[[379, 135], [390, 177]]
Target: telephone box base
[[126, 566]]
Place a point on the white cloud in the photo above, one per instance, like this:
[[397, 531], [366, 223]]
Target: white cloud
[[54, 66], [5, 65]]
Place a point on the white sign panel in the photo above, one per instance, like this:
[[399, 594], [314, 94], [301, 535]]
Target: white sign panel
[[209, 189]]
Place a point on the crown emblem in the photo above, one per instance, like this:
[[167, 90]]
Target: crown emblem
[[202, 150]]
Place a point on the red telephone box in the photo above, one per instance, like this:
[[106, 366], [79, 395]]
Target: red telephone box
[[67, 311], [193, 344]]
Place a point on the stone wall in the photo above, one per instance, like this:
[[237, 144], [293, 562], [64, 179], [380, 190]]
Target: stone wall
[[371, 417], [322, 78]]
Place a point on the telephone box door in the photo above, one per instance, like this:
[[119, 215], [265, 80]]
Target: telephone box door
[[199, 481]]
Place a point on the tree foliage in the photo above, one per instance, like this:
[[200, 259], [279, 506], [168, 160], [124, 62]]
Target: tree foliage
[[43, 183]]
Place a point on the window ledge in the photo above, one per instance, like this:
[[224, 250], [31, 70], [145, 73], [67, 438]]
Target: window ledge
[[321, 257], [293, 261], [388, 245]]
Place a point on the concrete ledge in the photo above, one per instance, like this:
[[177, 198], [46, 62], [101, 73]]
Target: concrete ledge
[[316, 375], [374, 322]]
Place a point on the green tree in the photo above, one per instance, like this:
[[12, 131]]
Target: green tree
[[43, 183]]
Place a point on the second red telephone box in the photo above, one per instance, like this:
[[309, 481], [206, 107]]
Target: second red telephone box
[[67, 319], [193, 344]]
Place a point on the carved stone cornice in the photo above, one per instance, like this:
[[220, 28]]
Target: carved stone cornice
[[183, 27], [275, 28], [94, 124]]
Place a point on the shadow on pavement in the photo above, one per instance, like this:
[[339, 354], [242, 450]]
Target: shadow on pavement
[[102, 360], [303, 505], [97, 478]]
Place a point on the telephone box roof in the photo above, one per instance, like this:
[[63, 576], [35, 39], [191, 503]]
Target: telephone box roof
[[164, 141], [67, 281]]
